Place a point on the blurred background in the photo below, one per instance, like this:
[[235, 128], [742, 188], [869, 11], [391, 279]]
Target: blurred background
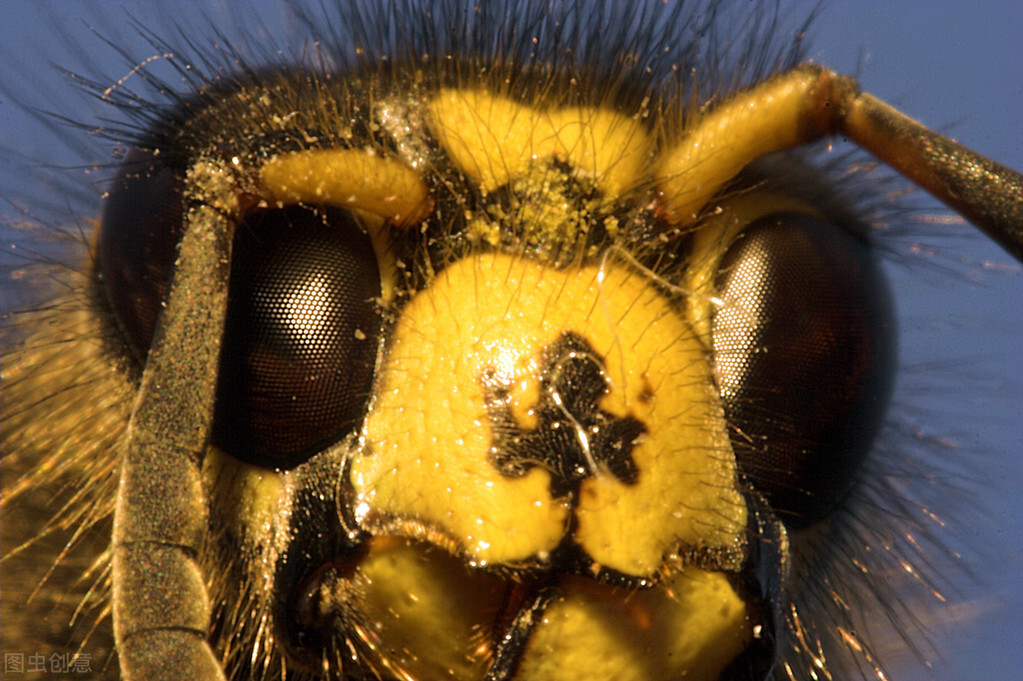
[[958, 69]]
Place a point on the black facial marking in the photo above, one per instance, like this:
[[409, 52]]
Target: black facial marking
[[573, 435], [531, 212]]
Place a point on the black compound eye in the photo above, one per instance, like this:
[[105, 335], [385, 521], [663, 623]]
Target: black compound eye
[[301, 336], [137, 247], [804, 352], [303, 322]]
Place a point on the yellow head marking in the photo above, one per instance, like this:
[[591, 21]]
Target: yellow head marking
[[489, 319], [493, 139]]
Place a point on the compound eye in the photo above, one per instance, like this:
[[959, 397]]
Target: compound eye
[[303, 321], [301, 336], [804, 352], [137, 247]]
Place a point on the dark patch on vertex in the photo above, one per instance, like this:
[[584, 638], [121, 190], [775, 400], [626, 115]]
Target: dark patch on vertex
[[569, 422]]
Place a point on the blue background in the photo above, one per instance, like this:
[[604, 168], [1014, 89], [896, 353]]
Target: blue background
[[955, 67]]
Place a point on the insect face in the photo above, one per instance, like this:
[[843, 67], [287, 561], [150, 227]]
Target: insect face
[[421, 360]]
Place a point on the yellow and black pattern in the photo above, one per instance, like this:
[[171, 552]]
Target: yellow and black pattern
[[541, 394], [480, 342]]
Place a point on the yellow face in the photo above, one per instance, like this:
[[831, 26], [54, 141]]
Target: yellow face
[[465, 362], [543, 415]]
